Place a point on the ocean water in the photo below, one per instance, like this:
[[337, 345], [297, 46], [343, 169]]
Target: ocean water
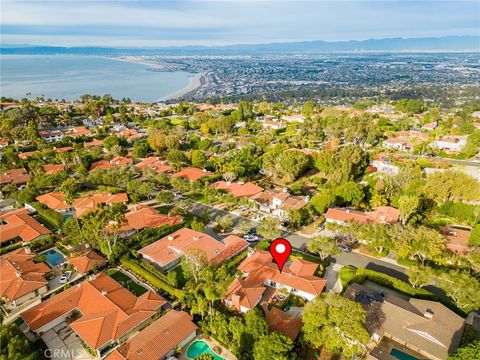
[[69, 76]]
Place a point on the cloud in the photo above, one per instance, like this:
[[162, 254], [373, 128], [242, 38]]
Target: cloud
[[234, 21]]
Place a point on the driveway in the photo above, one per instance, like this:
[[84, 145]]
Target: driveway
[[64, 344]]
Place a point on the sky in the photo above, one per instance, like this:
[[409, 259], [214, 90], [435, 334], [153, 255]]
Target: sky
[[198, 22]]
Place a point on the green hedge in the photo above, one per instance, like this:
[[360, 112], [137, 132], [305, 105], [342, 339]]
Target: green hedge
[[9, 248], [349, 275], [50, 215], [150, 235], [150, 278]]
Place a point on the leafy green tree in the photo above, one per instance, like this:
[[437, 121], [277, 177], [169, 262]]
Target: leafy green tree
[[164, 197], [323, 200], [194, 261], [140, 149], [336, 323], [273, 346], [470, 351], [322, 245], [198, 159], [139, 190], [156, 139], [269, 228], [463, 288], [408, 205], [197, 225], [110, 141], [224, 222], [349, 193], [420, 276], [15, 345], [474, 239], [176, 157]]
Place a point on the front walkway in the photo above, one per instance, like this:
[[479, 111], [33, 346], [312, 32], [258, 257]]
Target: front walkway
[[64, 344]]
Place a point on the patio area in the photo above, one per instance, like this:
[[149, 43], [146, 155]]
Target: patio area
[[64, 344]]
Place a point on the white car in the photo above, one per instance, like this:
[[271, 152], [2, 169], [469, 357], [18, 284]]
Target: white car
[[250, 238], [65, 277]]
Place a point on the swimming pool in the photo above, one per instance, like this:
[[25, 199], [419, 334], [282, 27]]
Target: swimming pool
[[401, 355], [199, 347], [53, 257]]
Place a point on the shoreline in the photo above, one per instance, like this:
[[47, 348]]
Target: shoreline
[[195, 81]]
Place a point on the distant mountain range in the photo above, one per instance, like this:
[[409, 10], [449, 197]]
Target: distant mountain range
[[426, 44]]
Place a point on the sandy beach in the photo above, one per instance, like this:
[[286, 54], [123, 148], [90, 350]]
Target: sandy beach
[[195, 83]]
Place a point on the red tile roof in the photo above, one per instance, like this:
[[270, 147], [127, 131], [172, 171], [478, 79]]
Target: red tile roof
[[93, 143], [147, 217], [154, 163], [53, 200], [64, 149], [156, 340], [14, 176], [87, 262], [259, 267], [382, 214], [238, 189], [51, 169], [79, 131], [283, 323], [118, 161], [19, 224], [28, 154], [86, 204], [109, 311], [20, 274], [173, 246], [192, 173]]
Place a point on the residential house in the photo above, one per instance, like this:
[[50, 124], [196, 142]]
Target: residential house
[[22, 278], [294, 118], [28, 154], [275, 125], [239, 189], [143, 217], [87, 261], [100, 311], [160, 340], [79, 131], [168, 251], [381, 215], [51, 135], [64, 149], [279, 202], [450, 143], [430, 126], [93, 144], [427, 328], [259, 270], [51, 169], [18, 225], [118, 161], [15, 177], [457, 239], [383, 163], [56, 201], [192, 173], [286, 323], [154, 163]]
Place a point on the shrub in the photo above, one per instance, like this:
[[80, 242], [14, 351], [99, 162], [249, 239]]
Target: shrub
[[150, 278], [9, 248], [50, 215]]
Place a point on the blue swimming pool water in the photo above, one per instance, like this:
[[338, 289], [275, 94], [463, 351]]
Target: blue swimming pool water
[[401, 355], [53, 257], [199, 347]]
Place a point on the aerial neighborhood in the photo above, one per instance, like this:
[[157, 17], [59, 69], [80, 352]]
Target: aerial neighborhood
[[136, 230]]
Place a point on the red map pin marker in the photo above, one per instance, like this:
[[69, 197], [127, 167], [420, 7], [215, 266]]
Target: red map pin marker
[[280, 250]]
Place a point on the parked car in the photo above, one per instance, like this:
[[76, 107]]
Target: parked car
[[65, 277], [250, 238], [344, 248]]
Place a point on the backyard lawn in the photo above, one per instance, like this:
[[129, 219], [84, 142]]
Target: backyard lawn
[[126, 281]]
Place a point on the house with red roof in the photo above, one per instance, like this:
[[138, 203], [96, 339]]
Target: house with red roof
[[55, 201], [192, 173], [239, 189], [85, 204], [259, 271], [28, 154], [64, 149], [93, 144], [79, 131], [52, 169], [279, 201], [381, 215], [172, 331], [155, 163], [87, 261], [22, 278], [100, 311], [118, 161], [168, 251], [18, 176], [51, 135], [275, 125], [142, 217], [285, 323], [18, 225]]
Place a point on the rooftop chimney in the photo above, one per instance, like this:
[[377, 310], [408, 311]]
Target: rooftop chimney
[[428, 314], [104, 292], [196, 238], [170, 237]]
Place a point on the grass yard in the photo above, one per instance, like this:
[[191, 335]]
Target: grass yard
[[126, 281]]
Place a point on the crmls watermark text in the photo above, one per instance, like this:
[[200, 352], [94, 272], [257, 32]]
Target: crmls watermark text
[[63, 353]]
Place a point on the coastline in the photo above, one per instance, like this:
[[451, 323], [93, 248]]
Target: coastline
[[196, 81]]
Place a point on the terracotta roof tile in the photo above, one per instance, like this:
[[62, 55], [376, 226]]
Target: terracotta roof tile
[[147, 217], [19, 224], [87, 261], [192, 173], [283, 323], [239, 190], [14, 176]]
